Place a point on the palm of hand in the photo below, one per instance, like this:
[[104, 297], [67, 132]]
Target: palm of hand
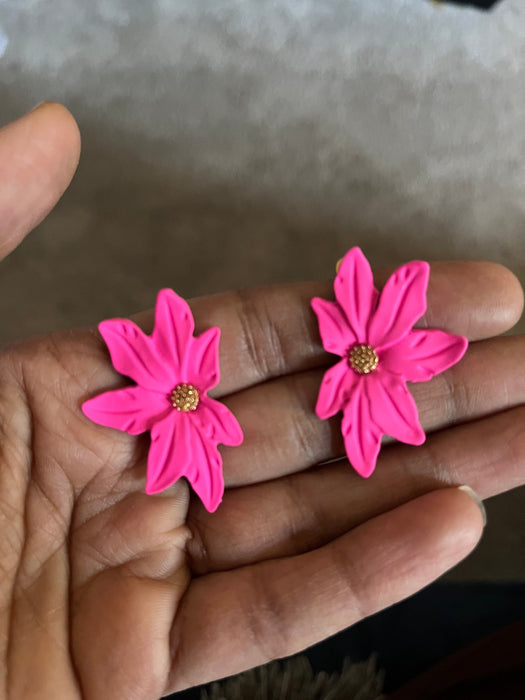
[[112, 593]]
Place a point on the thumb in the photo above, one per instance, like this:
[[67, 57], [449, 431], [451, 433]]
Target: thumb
[[38, 157]]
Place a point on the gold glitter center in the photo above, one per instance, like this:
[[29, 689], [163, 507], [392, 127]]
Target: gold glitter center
[[185, 397], [363, 359]]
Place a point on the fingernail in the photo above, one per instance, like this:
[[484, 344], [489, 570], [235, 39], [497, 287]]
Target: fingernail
[[37, 106], [477, 500], [338, 265]]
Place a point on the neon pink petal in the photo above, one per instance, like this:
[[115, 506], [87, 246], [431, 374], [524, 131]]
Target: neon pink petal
[[355, 291], [422, 354], [393, 409], [169, 456], [173, 330], [203, 360], [134, 354], [217, 423], [362, 438], [178, 449], [402, 302], [133, 410], [336, 387], [336, 334], [207, 481]]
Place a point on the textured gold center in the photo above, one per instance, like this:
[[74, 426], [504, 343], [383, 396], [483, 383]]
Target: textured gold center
[[363, 359], [185, 397]]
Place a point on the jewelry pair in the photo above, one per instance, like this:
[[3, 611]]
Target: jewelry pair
[[173, 370]]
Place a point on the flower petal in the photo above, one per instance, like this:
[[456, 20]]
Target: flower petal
[[392, 408], [362, 438], [179, 449], [402, 302], [134, 354], [422, 354], [336, 334], [355, 291], [169, 454], [217, 423], [207, 480], [133, 409], [202, 366], [173, 330], [335, 390]]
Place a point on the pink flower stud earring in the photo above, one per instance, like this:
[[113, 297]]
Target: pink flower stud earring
[[380, 351], [173, 371]]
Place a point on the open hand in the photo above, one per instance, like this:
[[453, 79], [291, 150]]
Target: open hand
[[109, 593]]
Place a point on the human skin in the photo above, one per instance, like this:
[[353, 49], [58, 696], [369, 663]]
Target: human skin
[[109, 593]]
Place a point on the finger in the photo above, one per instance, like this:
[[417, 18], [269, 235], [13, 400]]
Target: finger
[[282, 434], [272, 331], [238, 619], [308, 509], [38, 157]]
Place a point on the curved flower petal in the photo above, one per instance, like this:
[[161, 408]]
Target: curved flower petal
[[133, 409], [203, 361], [207, 479], [335, 390], [217, 423], [169, 455], [355, 291], [362, 438], [402, 302], [393, 409], [173, 330], [423, 353], [336, 334], [134, 355], [179, 449]]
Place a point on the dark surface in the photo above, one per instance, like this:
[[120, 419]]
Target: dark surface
[[483, 4], [415, 634], [493, 668], [412, 636]]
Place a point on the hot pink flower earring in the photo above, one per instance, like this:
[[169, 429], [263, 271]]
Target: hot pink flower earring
[[173, 371], [373, 334]]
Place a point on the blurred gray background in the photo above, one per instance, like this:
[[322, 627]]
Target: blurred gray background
[[229, 143]]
